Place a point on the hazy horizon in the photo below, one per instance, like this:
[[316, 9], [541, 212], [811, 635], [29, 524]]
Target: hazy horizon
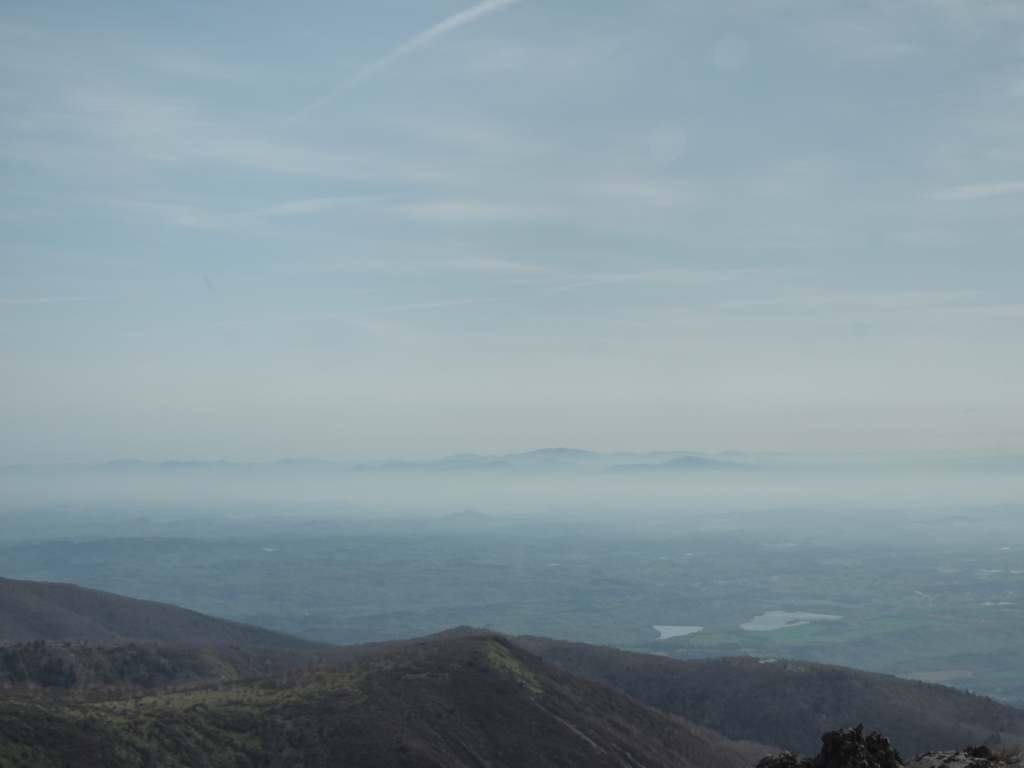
[[726, 454], [567, 486]]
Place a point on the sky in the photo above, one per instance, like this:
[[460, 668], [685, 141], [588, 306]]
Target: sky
[[414, 228]]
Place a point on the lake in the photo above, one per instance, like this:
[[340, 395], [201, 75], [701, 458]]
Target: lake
[[667, 632]]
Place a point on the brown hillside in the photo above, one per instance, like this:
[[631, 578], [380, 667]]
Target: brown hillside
[[789, 704], [474, 701], [38, 610]]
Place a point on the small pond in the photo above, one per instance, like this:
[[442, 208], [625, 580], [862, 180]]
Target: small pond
[[667, 632]]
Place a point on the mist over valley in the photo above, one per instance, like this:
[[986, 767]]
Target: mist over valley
[[771, 556]]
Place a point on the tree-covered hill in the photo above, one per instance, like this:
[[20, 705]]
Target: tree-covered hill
[[468, 701], [137, 664], [37, 610], [790, 703]]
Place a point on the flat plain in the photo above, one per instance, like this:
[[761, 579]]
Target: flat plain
[[936, 596]]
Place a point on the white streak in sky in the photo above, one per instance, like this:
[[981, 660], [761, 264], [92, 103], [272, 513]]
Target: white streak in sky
[[45, 300], [452, 22], [981, 191]]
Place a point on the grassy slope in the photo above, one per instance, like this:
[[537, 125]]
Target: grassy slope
[[35, 610], [790, 704], [463, 702], [78, 664], [138, 664]]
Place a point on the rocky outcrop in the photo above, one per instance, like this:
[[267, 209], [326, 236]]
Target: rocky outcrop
[[850, 748], [844, 748], [972, 757]]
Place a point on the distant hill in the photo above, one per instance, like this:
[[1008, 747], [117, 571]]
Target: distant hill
[[472, 701], [684, 464], [127, 664], [38, 610], [790, 703]]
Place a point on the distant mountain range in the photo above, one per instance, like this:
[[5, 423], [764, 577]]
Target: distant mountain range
[[685, 463], [560, 480], [548, 459]]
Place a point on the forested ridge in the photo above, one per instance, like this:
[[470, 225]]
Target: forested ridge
[[457, 702], [791, 703]]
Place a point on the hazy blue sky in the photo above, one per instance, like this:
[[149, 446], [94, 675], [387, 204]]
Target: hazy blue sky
[[421, 227]]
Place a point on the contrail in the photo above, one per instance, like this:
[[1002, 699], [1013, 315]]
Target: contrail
[[452, 22]]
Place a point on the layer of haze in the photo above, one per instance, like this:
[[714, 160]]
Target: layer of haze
[[635, 494], [353, 230]]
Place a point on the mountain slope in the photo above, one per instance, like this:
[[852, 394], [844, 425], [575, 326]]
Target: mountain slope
[[139, 664], [471, 701], [789, 704], [37, 610]]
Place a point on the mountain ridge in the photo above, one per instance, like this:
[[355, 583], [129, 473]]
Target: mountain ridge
[[790, 703], [785, 704], [458, 703], [39, 610]]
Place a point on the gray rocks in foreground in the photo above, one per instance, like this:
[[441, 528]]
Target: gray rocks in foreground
[[850, 748], [972, 757]]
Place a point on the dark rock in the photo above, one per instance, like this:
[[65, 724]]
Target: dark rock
[[784, 759], [844, 748], [970, 757], [983, 752], [850, 748]]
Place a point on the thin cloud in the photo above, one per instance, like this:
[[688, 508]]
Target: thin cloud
[[315, 205], [452, 22], [981, 191], [421, 305], [659, 276], [500, 268], [45, 300]]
